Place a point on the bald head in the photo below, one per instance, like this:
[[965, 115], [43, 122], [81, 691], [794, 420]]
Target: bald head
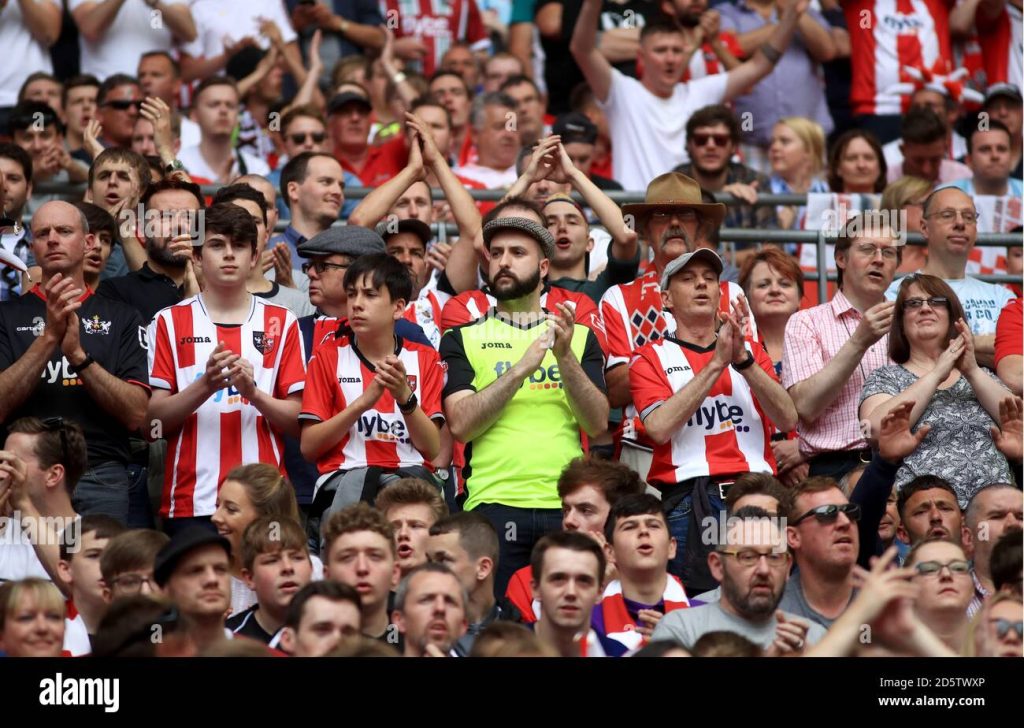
[[60, 238], [948, 234]]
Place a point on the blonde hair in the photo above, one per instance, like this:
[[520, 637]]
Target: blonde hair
[[42, 592], [904, 191], [976, 634], [270, 492], [812, 136]]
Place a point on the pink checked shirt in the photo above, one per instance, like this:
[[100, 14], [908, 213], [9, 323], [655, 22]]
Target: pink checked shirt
[[813, 337]]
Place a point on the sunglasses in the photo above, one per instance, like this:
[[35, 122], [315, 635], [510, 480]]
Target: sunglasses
[[931, 568], [933, 302], [830, 513], [1003, 627], [122, 104], [300, 138], [320, 266], [56, 424], [720, 140]]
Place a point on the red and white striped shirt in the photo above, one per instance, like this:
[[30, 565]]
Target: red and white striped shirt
[[611, 617], [729, 433], [1001, 39], [438, 24], [226, 430], [813, 338], [634, 316], [886, 37], [425, 312], [339, 374]]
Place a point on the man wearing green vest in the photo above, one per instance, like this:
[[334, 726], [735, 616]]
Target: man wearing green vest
[[522, 383]]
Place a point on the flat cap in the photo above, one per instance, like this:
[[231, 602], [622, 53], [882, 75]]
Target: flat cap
[[350, 240], [523, 225]]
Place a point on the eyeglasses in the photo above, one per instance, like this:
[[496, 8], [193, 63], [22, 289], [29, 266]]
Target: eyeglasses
[[1003, 627], [320, 266], [933, 302], [685, 215], [869, 251], [122, 104], [829, 513], [720, 140], [132, 582], [56, 424], [300, 137], [749, 557], [947, 216], [931, 568]]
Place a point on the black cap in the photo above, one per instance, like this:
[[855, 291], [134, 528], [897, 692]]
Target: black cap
[[387, 228], [244, 62], [181, 545], [351, 240], [575, 127], [347, 97], [1003, 89]]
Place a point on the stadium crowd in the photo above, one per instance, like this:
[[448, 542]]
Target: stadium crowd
[[272, 417]]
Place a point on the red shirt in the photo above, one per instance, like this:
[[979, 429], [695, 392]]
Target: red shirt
[[1009, 330], [382, 162]]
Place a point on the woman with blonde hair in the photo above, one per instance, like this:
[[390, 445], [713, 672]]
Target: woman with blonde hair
[[997, 630], [797, 157], [248, 493], [32, 615], [904, 199]]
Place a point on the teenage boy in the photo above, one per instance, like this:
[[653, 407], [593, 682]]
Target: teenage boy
[[412, 507], [641, 546], [127, 563], [275, 565], [373, 403], [228, 370], [359, 550], [79, 570], [321, 616]]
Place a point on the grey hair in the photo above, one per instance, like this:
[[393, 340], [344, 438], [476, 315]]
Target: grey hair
[[494, 98], [430, 567]]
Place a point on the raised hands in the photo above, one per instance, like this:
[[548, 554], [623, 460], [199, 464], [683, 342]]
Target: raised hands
[[1009, 436], [895, 440]]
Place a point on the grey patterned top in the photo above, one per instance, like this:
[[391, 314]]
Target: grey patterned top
[[959, 447]]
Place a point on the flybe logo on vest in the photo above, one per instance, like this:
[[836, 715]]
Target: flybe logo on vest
[[60, 372], [375, 427], [543, 378], [717, 415]]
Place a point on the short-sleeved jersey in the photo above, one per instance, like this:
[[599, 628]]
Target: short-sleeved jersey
[[471, 305], [339, 374], [728, 434], [438, 24], [111, 333], [226, 430], [517, 460], [1008, 330], [426, 313]]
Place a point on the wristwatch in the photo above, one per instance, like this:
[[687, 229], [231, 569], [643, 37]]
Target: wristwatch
[[745, 364], [410, 406]]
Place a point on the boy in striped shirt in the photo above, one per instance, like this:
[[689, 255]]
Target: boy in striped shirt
[[228, 372], [371, 411]]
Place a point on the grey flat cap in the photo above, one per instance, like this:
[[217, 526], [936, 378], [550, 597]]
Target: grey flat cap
[[350, 240], [677, 264], [523, 225]]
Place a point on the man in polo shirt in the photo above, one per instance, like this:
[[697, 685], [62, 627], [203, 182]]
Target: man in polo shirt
[[521, 435], [194, 570], [830, 350], [348, 122], [708, 401], [171, 218], [314, 190], [64, 351]]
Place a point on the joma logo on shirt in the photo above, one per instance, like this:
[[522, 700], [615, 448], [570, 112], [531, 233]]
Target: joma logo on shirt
[[194, 340], [673, 370], [720, 416], [495, 345]]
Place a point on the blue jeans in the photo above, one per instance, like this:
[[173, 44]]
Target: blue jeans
[[140, 515], [103, 489], [518, 530], [689, 563]]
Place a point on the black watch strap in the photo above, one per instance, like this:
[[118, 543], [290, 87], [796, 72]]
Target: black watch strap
[[86, 362], [746, 364], [411, 404]]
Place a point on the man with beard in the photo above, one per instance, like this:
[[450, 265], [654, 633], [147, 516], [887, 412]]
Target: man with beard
[[567, 223], [752, 566], [822, 533], [430, 611], [521, 436], [171, 219]]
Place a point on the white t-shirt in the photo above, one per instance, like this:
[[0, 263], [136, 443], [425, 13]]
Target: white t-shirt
[[190, 133], [18, 558], [136, 29], [76, 637], [492, 179], [235, 19], [982, 301], [648, 132], [193, 160], [25, 54]]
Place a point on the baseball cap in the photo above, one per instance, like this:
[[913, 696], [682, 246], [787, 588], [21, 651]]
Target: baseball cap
[[682, 261], [1003, 89], [575, 127], [417, 227], [347, 97]]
